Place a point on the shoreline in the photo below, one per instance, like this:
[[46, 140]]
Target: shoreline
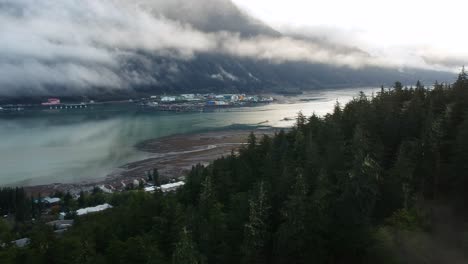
[[173, 156]]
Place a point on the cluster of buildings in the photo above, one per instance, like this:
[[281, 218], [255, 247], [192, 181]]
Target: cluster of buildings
[[207, 99], [55, 201], [61, 224], [211, 97], [181, 102], [51, 105]]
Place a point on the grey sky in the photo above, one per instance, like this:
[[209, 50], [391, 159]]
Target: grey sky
[[85, 43], [406, 30]]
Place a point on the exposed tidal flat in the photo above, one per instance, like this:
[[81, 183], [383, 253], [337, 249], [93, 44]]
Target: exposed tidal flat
[[95, 147]]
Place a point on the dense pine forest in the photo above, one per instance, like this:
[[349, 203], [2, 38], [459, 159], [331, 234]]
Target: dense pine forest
[[381, 179]]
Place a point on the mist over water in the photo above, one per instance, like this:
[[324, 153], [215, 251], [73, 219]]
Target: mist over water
[[66, 148]]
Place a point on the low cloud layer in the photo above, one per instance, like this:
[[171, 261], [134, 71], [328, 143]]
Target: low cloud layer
[[87, 43], [82, 44]]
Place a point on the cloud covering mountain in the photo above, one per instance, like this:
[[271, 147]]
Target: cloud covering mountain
[[78, 46]]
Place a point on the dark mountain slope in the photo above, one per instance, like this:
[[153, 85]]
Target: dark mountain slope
[[144, 72], [209, 72], [212, 16]]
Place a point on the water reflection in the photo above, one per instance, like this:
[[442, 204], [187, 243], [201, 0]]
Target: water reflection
[[63, 148]]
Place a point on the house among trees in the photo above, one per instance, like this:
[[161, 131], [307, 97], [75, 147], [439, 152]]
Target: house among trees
[[21, 242], [51, 201], [60, 226]]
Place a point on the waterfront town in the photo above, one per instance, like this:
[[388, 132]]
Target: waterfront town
[[60, 210], [172, 103]]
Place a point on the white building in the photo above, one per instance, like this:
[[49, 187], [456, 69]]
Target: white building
[[95, 209], [150, 189], [168, 99], [21, 242], [221, 103], [234, 98], [171, 186], [166, 187], [152, 104], [51, 201], [105, 189], [61, 224], [188, 96]]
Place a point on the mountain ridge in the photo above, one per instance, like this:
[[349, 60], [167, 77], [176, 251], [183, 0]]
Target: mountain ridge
[[244, 63]]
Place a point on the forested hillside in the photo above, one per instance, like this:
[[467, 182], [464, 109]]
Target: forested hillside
[[350, 187]]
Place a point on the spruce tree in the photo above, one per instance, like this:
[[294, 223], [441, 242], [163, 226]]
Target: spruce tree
[[156, 177], [185, 251], [256, 229], [291, 240]]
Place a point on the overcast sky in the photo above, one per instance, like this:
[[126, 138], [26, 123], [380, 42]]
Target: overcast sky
[[401, 28], [82, 44]]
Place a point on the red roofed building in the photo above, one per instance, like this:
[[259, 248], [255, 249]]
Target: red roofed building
[[52, 101]]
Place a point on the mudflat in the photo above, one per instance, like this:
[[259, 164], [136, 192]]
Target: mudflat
[[173, 156]]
